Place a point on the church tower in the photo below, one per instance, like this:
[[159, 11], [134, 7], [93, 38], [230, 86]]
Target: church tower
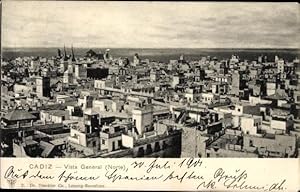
[[64, 61], [69, 73], [73, 55], [65, 54], [59, 54]]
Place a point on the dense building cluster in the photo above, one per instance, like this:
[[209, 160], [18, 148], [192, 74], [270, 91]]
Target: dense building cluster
[[100, 106]]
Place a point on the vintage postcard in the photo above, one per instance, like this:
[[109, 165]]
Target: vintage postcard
[[181, 96]]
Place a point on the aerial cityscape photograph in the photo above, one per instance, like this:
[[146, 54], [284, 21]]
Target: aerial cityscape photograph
[[149, 79]]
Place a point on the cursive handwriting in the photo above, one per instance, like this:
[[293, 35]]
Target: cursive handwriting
[[159, 171], [40, 176], [190, 163], [237, 180], [115, 175], [155, 165], [207, 184], [182, 177], [64, 176], [11, 173], [221, 175], [278, 186]]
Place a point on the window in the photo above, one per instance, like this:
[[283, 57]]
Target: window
[[120, 143], [148, 149], [165, 145], [140, 152], [156, 147], [113, 146], [251, 143], [103, 141]]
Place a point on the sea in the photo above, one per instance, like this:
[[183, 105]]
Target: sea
[[163, 55]]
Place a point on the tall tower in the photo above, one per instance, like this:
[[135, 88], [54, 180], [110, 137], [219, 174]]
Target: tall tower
[[71, 62], [181, 59], [91, 121], [276, 59], [64, 61], [265, 59], [73, 55], [260, 59], [280, 66], [59, 54], [43, 86], [107, 57], [235, 83], [143, 119], [65, 54], [136, 60], [297, 71]]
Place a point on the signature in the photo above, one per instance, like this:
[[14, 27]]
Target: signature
[[238, 180]]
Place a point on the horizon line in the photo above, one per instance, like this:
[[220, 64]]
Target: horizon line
[[83, 47]]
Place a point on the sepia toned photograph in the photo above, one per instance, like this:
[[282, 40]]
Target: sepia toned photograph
[[100, 79]]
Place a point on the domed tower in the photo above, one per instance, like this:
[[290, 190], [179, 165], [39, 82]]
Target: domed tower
[[136, 60], [107, 57]]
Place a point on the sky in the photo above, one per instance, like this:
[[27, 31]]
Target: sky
[[150, 24]]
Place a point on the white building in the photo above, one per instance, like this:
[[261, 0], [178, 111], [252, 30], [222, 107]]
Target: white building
[[271, 88], [54, 116], [250, 124], [209, 98], [143, 119], [280, 66]]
